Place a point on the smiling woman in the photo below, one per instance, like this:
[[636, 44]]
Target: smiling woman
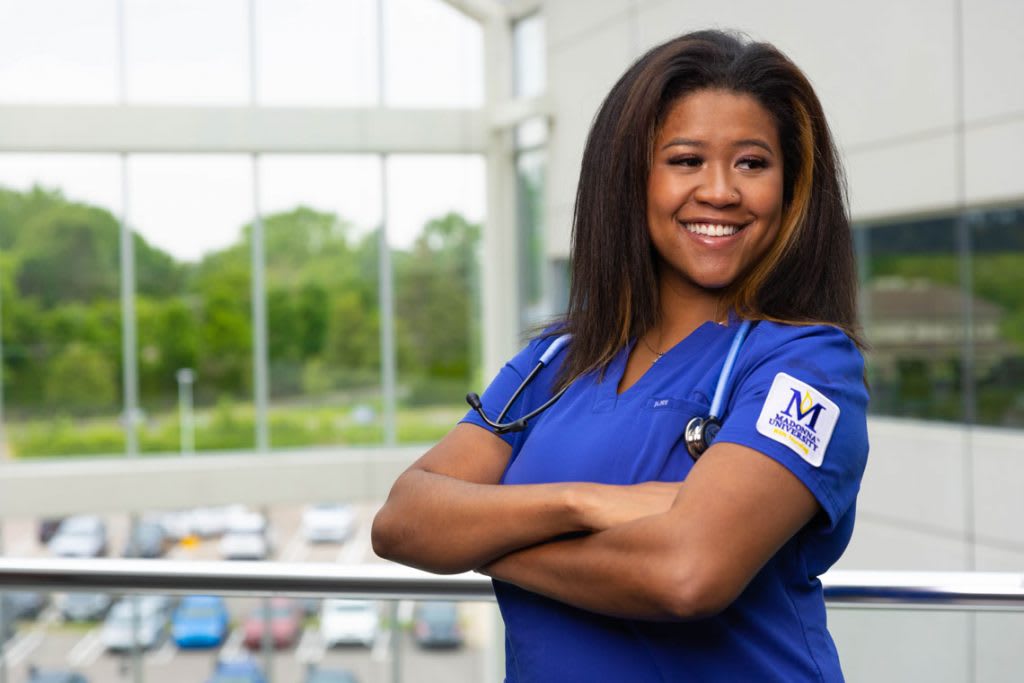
[[710, 202]]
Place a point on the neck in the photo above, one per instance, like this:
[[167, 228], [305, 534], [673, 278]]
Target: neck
[[681, 310]]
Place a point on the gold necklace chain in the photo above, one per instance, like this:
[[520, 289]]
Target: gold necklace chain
[[657, 353]]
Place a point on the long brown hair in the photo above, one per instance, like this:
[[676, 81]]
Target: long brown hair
[[808, 274]]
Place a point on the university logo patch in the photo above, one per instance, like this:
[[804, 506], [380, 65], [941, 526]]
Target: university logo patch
[[798, 416]]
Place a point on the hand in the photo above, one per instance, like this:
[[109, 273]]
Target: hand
[[606, 506]]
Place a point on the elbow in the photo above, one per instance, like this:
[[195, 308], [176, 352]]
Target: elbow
[[696, 593], [383, 535]]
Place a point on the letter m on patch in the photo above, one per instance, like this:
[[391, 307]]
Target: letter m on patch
[[804, 406]]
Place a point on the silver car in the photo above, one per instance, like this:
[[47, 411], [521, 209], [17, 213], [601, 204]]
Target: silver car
[[150, 623]]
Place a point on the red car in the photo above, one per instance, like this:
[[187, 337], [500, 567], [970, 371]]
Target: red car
[[285, 624]]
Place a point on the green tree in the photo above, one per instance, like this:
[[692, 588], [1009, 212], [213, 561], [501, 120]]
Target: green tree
[[81, 380]]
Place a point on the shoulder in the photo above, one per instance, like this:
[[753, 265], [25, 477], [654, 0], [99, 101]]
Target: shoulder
[[536, 348], [824, 351]]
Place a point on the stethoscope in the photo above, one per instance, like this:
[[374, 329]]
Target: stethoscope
[[700, 432]]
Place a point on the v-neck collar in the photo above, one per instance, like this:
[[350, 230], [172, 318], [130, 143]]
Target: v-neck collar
[[613, 375]]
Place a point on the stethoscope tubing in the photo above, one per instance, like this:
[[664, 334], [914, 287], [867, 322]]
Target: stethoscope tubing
[[501, 427]]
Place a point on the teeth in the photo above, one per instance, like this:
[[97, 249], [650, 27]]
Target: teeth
[[711, 229]]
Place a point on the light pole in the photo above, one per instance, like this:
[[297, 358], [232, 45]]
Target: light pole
[[186, 379]]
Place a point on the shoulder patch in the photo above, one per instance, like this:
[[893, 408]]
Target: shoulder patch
[[798, 416]]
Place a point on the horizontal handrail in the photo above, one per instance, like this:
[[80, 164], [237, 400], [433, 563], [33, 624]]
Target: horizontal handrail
[[387, 581]]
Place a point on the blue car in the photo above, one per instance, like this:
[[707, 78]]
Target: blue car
[[200, 621], [237, 671]]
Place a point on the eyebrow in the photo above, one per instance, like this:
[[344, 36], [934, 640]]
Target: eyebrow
[[746, 142]]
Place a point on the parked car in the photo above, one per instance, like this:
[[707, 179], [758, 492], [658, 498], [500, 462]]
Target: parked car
[[215, 520], [151, 623], [436, 624], [246, 538], [237, 671], [80, 536], [147, 539], [315, 674], [328, 522], [285, 624], [85, 606], [348, 622], [26, 604], [201, 621], [54, 676]]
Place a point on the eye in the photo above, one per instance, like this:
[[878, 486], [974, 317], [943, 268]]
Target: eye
[[686, 161], [751, 163]]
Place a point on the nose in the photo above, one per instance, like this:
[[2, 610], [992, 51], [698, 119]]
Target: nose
[[717, 190]]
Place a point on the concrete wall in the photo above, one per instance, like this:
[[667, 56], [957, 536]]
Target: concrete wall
[[885, 72], [935, 496]]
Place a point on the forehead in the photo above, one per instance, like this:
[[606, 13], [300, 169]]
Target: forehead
[[713, 116]]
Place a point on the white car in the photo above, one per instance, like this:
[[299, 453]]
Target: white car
[[80, 536], [217, 520], [328, 523], [246, 538], [349, 622], [150, 622]]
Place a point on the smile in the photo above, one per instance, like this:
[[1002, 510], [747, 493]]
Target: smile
[[712, 229]]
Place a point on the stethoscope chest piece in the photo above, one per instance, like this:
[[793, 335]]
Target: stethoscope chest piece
[[700, 433]]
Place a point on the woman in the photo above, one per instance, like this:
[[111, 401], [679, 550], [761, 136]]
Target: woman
[[710, 194]]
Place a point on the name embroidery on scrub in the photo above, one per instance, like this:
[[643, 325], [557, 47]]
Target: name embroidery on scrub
[[798, 416]]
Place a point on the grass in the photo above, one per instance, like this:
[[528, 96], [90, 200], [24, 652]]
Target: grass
[[229, 426]]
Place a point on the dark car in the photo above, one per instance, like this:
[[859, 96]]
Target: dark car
[[315, 674], [26, 604], [85, 606], [147, 539], [436, 624]]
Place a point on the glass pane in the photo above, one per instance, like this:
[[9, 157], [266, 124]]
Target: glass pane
[[913, 316], [58, 51], [317, 52], [59, 275], [320, 219], [434, 56], [530, 55], [191, 217], [187, 51], [530, 171], [997, 241], [434, 232], [181, 637]]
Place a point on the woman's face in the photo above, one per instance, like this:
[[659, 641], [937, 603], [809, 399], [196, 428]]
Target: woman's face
[[714, 194]]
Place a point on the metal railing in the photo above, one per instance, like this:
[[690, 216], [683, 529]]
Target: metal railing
[[386, 581]]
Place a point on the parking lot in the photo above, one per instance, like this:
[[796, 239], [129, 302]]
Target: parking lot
[[48, 642]]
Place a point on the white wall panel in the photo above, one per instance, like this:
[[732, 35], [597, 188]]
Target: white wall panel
[[567, 20], [999, 485], [882, 69], [912, 177], [993, 155], [580, 75], [993, 56], [913, 474], [888, 646], [882, 545]]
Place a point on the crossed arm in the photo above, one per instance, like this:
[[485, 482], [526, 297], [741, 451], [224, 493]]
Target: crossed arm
[[652, 551]]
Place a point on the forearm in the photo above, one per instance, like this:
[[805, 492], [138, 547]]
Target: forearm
[[628, 571], [448, 525]]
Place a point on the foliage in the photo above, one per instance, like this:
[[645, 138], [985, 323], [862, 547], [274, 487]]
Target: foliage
[[60, 283]]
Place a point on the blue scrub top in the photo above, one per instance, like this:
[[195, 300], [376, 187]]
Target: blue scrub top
[[797, 395]]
